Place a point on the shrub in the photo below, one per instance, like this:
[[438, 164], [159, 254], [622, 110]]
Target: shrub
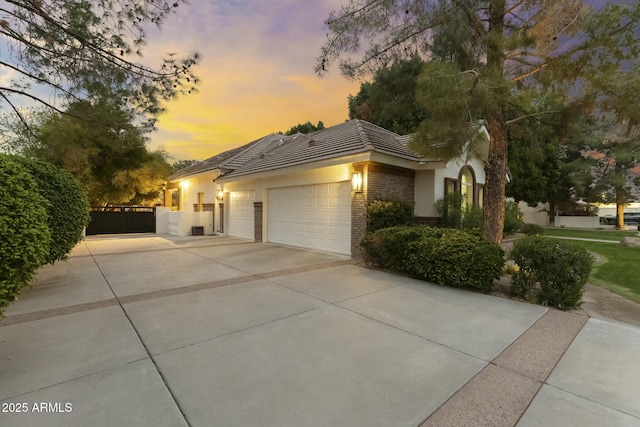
[[384, 214], [446, 256], [388, 247], [532, 229], [472, 217], [67, 207], [449, 210], [512, 218], [453, 214], [24, 244], [560, 269]]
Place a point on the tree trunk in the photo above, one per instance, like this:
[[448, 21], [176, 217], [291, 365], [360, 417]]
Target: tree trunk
[[496, 179], [496, 167], [619, 215]]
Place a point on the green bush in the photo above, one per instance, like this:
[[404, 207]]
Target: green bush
[[449, 257], [452, 214], [559, 268], [532, 229], [384, 214], [388, 247], [25, 236], [67, 207], [512, 218], [449, 210], [472, 217]]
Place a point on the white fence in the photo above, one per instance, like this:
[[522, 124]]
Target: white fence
[[180, 223], [579, 222]]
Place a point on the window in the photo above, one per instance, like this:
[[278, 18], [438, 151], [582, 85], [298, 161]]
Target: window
[[472, 193], [450, 186], [480, 192], [467, 186]]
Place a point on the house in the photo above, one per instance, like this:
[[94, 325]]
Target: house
[[311, 191]]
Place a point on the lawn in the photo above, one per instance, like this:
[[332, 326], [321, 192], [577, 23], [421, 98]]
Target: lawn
[[614, 235], [617, 267]]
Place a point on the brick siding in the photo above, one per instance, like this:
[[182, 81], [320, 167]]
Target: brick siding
[[381, 182], [257, 221]]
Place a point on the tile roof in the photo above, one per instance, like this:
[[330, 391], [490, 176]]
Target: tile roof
[[229, 160], [277, 151], [352, 137]]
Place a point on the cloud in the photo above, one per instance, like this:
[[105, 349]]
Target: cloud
[[257, 74]]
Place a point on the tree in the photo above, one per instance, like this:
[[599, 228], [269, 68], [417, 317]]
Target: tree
[[615, 146], [543, 156], [390, 100], [100, 146], [80, 49], [305, 128], [485, 56], [181, 164]]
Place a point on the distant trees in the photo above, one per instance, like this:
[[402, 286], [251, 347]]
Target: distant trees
[[181, 164], [305, 128], [389, 100], [614, 146], [99, 144]]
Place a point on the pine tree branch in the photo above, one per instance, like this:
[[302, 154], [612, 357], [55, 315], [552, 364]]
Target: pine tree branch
[[28, 95], [39, 79], [517, 119], [19, 114]]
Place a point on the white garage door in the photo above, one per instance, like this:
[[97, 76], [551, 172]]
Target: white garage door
[[241, 214], [311, 216]]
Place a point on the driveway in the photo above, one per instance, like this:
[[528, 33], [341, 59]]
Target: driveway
[[147, 330]]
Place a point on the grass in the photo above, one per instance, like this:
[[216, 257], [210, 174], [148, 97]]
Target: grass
[[617, 267], [613, 235]]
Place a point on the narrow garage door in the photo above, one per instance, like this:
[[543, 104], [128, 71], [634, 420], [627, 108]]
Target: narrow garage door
[[241, 214], [311, 216]]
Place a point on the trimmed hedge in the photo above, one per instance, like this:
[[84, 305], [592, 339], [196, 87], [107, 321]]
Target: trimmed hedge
[[550, 272], [24, 234], [450, 257], [67, 207], [384, 214]]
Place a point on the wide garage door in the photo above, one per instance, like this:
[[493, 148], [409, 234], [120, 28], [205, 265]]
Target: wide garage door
[[241, 214], [311, 216]]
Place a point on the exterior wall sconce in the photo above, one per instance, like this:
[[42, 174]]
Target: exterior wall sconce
[[220, 195], [356, 181]]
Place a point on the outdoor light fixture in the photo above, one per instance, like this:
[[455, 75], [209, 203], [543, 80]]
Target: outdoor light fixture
[[220, 195], [356, 181]]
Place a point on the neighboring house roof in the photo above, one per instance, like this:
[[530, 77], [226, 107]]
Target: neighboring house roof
[[229, 160], [352, 137]]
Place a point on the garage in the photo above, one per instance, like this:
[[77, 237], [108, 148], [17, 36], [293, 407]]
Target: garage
[[311, 216], [241, 214]]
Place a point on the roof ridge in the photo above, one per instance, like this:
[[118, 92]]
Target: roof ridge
[[368, 145]]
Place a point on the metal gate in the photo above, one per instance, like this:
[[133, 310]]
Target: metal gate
[[122, 219]]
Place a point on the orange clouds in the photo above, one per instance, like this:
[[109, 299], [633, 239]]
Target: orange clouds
[[257, 75]]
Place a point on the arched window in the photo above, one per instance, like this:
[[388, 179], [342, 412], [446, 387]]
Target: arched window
[[467, 181]]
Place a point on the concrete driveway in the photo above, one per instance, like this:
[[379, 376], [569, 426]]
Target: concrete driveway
[[149, 330]]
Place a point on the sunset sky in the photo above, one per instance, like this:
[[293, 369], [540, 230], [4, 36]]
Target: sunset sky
[[256, 71]]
